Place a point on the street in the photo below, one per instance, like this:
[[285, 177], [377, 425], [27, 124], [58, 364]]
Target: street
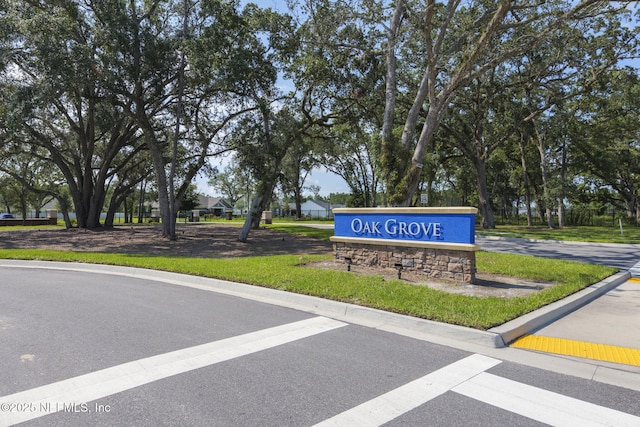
[[614, 255], [80, 348]]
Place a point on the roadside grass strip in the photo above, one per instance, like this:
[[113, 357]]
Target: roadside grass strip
[[79, 390], [585, 350], [289, 273]]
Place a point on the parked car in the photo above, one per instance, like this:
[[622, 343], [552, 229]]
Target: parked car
[[6, 215]]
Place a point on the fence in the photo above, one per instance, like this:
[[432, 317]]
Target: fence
[[575, 217]]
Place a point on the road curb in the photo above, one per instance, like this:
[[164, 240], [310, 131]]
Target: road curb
[[537, 319], [635, 270], [497, 337], [351, 313]]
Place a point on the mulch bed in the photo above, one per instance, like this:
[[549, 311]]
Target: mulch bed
[[221, 241], [206, 241]]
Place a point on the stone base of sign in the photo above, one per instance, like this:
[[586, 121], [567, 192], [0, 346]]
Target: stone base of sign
[[455, 262]]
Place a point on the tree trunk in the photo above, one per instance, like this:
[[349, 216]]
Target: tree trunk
[[161, 183], [258, 205], [23, 204], [119, 198], [561, 213], [111, 213], [81, 216], [391, 81], [563, 172], [127, 212], [173, 205], [64, 208], [550, 222], [630, 205], [544, 168], [528, 209], [253, 217], [96, 202], [298, 200], [143, 187], [486, 211], [525, 182], [541, 209]]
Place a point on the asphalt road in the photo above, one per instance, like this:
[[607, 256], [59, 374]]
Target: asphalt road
[[622, 256], [80, 348], [614, 255]]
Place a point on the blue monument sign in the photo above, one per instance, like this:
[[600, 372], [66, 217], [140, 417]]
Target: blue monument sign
[[428, 225]]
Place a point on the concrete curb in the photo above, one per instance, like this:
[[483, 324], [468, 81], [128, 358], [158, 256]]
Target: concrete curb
[[635, 270], [537, 319], [497, 337], [351, 313]]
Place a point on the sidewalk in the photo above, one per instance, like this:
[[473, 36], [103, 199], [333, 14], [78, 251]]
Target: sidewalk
[[613, 319], [600, 323], [606, 329]]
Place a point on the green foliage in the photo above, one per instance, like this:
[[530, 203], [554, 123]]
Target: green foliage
[[538, 57], [233, 183], [550, 270], [393, 159], [338, 198], [191, 199], [60, 116], [317, 233], [83, 81]]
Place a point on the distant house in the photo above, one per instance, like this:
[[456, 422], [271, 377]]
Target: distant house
[[314, 209], [214, 205]]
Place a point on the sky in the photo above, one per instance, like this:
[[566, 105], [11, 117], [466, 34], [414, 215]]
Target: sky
[[328, 182]]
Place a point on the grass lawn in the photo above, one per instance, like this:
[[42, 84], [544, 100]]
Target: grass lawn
[[32, 227], [630, 234], [287, 273]]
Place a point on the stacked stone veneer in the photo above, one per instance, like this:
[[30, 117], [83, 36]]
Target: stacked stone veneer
[[434, 262]]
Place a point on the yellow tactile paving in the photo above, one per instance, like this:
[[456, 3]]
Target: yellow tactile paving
[[634, 279], [586, 350]]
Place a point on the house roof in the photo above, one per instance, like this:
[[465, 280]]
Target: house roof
[[206, 202], [323, 205], [220, 203]]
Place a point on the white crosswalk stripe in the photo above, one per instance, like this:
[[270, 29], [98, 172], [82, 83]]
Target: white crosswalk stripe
[[541, 405], [85, 388], [390, 405], [467, 377]]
